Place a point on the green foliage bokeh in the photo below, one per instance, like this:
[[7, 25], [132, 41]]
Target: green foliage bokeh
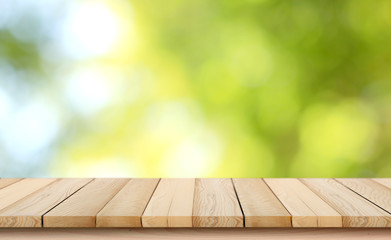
[[249, 88]]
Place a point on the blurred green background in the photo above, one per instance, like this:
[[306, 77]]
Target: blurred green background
[[195, 88]]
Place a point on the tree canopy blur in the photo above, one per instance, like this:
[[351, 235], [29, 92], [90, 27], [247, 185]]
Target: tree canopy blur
[[198, 88]]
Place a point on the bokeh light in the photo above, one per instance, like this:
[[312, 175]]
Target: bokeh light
[[255, 88]]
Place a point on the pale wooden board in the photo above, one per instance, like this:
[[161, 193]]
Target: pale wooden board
[[171, 204], [355, 210], [126, 208], [81, 208], [199, 233], [216, 204], [4, 182], [181, 210], [384, 181], [307, 208], [28, 211], [260, 206], [21, 189], [371, 190]]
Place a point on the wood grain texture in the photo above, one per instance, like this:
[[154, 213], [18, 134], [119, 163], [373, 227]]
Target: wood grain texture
[[181, 210], [28, 211], [4, 182], [371, 190], [81, 208], [21, 189], [384, 181], [126, 208], [216, 204], [355, 210], [260, 206], [307, 208], [171, 205]]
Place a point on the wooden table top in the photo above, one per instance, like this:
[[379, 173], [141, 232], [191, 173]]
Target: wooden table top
[[200, 202]]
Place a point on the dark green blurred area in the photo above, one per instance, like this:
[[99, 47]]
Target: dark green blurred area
[[289, 89]]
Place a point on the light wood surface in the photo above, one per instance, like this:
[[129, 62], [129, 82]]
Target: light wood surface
[[21, 189], [171, 205], [81, 208], [4, 182], [28, 211], [126, 208], [384, 181], [195, 203], [260, 206], [307, 208], [355, 210], [371, 190], [215, 204], [181, 210]]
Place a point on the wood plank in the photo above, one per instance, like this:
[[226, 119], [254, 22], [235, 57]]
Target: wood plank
[[81, 208], [4, 182], [28, 211], [371, 190], [307, 208], [126, 208], [171, 204], [216, 204], [21, 189], [384, 181], [181, 210], [260, 206], [355, 210]]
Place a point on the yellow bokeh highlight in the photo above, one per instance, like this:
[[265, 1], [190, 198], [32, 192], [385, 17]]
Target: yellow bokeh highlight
[[335, 137]]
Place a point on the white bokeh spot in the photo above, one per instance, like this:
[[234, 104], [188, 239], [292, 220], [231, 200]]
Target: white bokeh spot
[[29, 129], [90, 29], [89, 90]]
